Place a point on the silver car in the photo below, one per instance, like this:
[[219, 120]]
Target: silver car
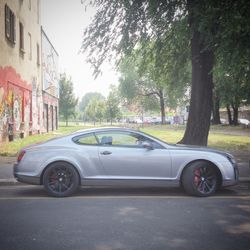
[[120, 156]]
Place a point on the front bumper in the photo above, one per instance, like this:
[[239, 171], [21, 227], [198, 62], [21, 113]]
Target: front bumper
[[235, 180]]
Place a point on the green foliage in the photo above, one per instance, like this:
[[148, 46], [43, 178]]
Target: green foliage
[[88, 97], [233, 82], [136, 87], [95, 109], [112, 105], [152, 47], [87, 109], [119, 26], [232, 72], [67, 100], [165, 30], [144, 80]]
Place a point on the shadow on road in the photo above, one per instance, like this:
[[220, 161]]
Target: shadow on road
[[93, 192]]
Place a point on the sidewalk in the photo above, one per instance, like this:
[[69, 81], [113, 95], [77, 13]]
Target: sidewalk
[[7, 178], [6, 171]]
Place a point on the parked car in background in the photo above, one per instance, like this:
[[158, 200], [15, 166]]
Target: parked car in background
[[223, 121], [244, 122], [156, 120], [120, 156]]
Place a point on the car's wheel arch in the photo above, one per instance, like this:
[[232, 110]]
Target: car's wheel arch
[[59, 161], [218, 172]]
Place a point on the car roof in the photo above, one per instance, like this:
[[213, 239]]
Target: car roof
[[103, 129]]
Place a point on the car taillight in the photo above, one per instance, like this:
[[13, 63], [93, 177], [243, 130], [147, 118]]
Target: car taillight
[[20, 156]]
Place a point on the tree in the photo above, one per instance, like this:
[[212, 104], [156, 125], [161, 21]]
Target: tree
[[85, 101], [112, 104], [232, 79], [119, 26], [88, 97], [144, 80], [95, 109], [67, 100], [216, 106], [141, 88]]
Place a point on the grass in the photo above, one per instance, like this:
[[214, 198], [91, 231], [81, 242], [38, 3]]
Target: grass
[[12, 148], [220, 137]]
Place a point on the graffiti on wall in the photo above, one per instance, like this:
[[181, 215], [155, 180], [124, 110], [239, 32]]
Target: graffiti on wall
[[50, 67], [15, 103], [4, 114], [36, 105]]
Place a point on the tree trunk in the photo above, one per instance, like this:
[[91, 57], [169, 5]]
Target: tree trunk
[[162, 105], [216, 109], [230, 121], [235, 115], [198, 123]]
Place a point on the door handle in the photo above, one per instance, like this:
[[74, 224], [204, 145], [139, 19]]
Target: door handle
[[106, 153]]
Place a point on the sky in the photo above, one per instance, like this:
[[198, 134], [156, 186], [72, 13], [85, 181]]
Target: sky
[[64, 22]]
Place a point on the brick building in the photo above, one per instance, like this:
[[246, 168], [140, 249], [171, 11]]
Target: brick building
[[22, 92]]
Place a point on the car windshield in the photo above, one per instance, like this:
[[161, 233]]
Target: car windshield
[[155, 138]]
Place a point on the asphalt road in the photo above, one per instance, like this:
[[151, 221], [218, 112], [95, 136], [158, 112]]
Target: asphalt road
[[105, 219]]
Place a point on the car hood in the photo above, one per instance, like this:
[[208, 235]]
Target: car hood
[[200, 148]]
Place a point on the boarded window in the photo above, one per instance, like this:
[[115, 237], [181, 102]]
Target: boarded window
[[10, 25], [21, 37], [30, 46], [38, 54]]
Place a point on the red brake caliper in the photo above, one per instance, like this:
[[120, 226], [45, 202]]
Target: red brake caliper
[[197, 176], [53, 179]]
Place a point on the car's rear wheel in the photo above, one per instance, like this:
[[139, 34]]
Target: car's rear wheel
[[200, 179], [60, 179]]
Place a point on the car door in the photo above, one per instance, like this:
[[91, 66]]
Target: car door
[[88, 155], [123, 156]]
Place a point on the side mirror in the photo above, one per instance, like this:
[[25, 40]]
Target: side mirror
[[147, 145]]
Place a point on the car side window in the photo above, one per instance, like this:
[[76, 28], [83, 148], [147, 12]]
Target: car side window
[[121, 139], [88, 139], [116, 139]]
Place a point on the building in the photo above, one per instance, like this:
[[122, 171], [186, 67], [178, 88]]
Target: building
[[27, 106], [50, 80]]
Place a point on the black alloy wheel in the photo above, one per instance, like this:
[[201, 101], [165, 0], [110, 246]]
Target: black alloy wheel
[[200, 179], [60, 179]]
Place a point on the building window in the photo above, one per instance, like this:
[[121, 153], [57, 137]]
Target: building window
[[38, 54], [21, 37], [38, 11], [10, 25], [30, 46]]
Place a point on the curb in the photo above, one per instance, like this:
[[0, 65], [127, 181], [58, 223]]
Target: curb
[[244, 180], [9, 182]]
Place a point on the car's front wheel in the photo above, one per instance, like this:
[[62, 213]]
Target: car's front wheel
[[60, 179], [200, 179]]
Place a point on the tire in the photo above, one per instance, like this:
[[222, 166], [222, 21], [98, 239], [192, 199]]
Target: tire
[[60, 179], [200, 179]]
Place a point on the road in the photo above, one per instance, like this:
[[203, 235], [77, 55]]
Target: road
[[105, 219]]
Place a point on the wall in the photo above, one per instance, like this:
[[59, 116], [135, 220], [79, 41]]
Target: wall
[[20, 71], [50, 81]]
